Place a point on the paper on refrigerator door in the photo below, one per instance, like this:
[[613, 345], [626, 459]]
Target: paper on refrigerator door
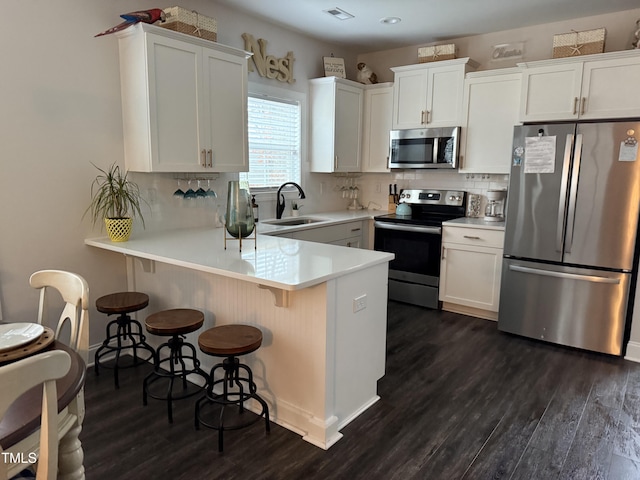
[[628, 152], [540, 154]]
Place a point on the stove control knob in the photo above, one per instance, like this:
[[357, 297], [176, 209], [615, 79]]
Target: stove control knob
[[405, 195]]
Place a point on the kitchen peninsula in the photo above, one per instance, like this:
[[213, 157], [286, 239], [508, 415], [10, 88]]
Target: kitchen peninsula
[[321, 308]]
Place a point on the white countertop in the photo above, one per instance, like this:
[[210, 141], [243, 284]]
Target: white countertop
[[277, 262], [470, 222]]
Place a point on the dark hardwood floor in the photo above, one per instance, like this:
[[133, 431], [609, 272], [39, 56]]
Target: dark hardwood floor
[[459, 400]]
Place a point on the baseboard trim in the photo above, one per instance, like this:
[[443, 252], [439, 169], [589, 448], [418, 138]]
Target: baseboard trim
[[470, 311], [633, 352]]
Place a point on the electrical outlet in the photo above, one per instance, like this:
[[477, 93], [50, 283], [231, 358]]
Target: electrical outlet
[[359, 303]]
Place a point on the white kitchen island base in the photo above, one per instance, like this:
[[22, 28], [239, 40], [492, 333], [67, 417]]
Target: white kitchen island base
[[322, 354]]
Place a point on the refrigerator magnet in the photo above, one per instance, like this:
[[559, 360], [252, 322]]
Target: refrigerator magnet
[[628, 148], [628, 152], [518, 152]]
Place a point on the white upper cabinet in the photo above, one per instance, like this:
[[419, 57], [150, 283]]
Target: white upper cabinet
[[376, 124], [184, 102], [336, 125], [491, 110], [598, 86], [429, 94]]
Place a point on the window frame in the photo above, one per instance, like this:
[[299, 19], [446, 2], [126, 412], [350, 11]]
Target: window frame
[[275, 93]]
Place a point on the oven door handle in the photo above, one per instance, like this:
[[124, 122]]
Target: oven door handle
[[408, 228]]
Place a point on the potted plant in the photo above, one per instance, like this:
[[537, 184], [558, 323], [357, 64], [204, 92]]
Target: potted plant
[[116, 199], [295, 209]]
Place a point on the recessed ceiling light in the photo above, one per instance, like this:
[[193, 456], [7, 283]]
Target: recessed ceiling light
[[339, 13], [390, 20]]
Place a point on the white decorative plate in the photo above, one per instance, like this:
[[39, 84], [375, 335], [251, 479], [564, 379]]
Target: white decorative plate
[[14, 335]]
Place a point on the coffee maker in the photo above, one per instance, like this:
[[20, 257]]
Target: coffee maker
[[494, 211]]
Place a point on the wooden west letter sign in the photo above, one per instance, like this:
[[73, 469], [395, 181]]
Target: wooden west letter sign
[[268, 66]]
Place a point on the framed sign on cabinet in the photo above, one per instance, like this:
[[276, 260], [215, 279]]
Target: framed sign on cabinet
[[334, 67]]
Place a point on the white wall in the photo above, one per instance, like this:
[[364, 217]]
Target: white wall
[[538, 43]]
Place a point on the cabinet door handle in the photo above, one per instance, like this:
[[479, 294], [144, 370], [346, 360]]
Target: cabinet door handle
[[210, 153], [428, 114], [335, 162], [471, 237], [584, 99], [444, 251], [203, 157], [355, 229], [423, 115], [575, 105]]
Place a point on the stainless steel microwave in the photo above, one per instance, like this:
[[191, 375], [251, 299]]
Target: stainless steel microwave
[[424, 148]]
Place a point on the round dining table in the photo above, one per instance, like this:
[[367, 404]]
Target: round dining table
[[20, 427]]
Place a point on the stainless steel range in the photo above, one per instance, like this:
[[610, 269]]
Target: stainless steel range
[[416, 241]]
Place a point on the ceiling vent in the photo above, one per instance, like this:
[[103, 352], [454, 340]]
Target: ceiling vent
[[339, 14]]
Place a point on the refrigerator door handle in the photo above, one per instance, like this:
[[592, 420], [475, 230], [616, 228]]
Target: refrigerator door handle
[[563, 192], [571, 276], [573, 193]]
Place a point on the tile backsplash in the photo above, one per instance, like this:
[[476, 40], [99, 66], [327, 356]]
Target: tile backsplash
[[375, 187], [325, 192]]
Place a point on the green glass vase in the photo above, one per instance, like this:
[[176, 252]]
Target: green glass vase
[[240, 222]]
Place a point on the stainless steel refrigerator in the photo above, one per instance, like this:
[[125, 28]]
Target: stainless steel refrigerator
[[570, 234]]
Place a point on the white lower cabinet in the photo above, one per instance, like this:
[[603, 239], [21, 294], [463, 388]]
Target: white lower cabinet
[[470, 270], [350, 234]]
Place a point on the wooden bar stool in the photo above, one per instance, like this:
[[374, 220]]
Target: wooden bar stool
[[230, 341], [176, 324], [127, 332]]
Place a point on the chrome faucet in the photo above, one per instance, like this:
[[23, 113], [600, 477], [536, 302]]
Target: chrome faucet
[[280, 204]]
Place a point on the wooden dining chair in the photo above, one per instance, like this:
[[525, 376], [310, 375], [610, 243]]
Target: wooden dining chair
[[75, 292], [18, 377]]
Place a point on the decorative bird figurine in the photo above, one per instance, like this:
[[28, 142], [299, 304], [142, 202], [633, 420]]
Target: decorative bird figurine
[[365, 74], [146, 16]]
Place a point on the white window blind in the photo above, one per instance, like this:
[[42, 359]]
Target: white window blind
[[274, 142]]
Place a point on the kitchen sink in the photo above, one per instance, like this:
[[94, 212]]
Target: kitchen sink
[[293, 221]]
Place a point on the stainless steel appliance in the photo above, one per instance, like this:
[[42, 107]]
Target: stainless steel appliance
[[416, 241], [570, 234], [424, 148]]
